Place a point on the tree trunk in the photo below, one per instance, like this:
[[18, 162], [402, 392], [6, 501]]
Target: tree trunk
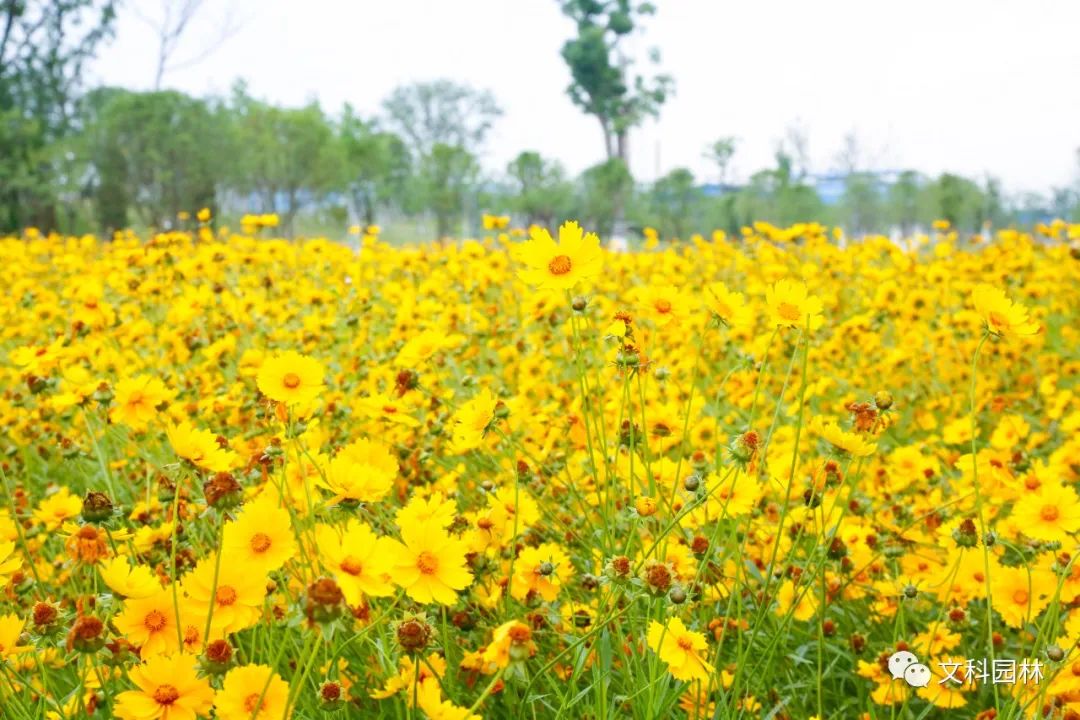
[[609, 147]]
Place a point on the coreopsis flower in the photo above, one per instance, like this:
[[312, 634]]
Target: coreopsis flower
[[85, 543], [666, 304], [1051, 513], [1001, 315], [471, 421], [201, 448], [127, 581], [846, 442], [169, 688], [360, 562], [510, 642], [791, 306], [11, 627], [682, 649], [1019, 594], [291, 378], [729, 307], [261, 538], [137, 400], [421, 347], [10, 560], [364, 471], [543, 570], [383, 407], [237, 600], [435, 509], [430, 564], [252, 692], [411, 673], [56, 509], [576, 257], [150, 623]]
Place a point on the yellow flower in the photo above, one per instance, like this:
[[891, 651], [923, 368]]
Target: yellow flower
[[237, 599], [422, 346], [1019, 594], [511, 641], [542, 570], [436, 510], [252, 692], [203, 215], [363, 471], [360, 562], [201, 448], [382, 406], [471, 421], [260, 539], [150, 623], [11, 627], [791, 306], [846, 442], [1001, 315], [667, 304], [127, 581], [430, 564], [10, 562], [1052, 513], [168, 689], [136, 401], [730, 307], [54, 510], [291, 378], [576, 257], [681, 649]]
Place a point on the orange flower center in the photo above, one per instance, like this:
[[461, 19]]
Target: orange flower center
[[252, 702], [1020, 597], [351, 565], [663, 306], [685, 644], [788, 311], [225, 595], [998, 320], [389, 409], [166, 695], [154, 620], [560, 265], [428, 563], [260, 542], [1049, 513], [291, 381]]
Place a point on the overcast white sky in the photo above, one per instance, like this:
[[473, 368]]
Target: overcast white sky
[[972, 86]]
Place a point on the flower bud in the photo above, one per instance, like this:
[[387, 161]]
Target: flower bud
[[413, 634], [87, 634], [645, 506], [96, 507], [325, 601]]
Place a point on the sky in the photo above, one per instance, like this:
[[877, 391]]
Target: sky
[[971, 86]]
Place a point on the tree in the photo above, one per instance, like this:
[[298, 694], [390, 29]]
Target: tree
[[441, 113], [676, 200], [287, 157], [447, 175], [43, 48], [601, 82], [602, 188], [541, 191], [156, 152], [377, 166], [170, 27], [903, 201], [720, 154]]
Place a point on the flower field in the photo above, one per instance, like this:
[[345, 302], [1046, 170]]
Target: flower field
[[527, 477]]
